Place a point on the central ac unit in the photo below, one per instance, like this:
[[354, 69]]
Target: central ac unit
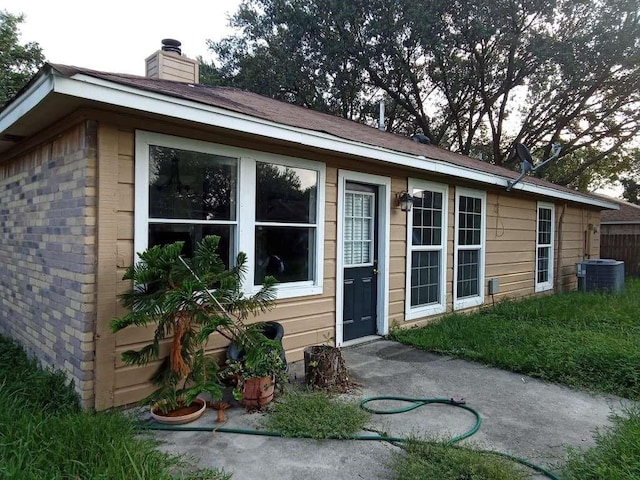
[[600, 275]]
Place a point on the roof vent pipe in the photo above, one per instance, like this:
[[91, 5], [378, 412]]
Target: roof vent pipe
[[171, 45], [381, 118]]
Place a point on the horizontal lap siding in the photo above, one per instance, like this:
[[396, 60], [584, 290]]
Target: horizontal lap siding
[[510, 256], [510, 244], [307, 320], [580, 240]]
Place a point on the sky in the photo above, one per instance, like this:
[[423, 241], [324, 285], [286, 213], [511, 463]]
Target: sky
[[117, 35]]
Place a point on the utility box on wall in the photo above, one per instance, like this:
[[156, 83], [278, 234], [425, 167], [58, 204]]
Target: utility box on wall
[[600, 275]]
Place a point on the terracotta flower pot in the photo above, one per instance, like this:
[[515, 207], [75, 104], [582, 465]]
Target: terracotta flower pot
[[257, 391], [183, 414]]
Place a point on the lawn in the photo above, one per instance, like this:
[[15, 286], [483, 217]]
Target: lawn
[[583, 340], [44, 435]]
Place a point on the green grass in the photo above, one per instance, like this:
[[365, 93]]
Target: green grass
[[616, 455], [45, 435], [315, 414], [586, 341], [431, 460]]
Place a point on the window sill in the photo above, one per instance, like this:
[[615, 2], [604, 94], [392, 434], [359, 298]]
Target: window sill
[[543, 287], [414, 314], [293, 291], [468, 303]]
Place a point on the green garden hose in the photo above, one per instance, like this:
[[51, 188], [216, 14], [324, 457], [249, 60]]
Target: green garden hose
[[415, 403]]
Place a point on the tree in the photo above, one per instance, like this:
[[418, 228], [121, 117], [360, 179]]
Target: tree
[[631, 190], [18, 62], [631, 183], [473, 76]]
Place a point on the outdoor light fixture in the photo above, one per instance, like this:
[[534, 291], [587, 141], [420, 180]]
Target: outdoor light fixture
[[405, 200]]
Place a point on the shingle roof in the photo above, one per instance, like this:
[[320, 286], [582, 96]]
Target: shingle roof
[[277, 111], [628, 213]]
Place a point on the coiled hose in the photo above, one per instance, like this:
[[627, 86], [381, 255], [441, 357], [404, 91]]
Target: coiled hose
[[414, 403]]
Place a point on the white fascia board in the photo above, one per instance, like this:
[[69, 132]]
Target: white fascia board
[[626, 222], [113, 93], [26, 102]]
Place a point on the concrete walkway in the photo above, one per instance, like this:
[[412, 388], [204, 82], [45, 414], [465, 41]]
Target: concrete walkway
[[521, 416]]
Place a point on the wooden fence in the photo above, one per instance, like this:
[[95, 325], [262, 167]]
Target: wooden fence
[[622, 247]]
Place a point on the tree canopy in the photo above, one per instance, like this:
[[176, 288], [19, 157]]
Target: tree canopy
[[18, 62], [473, 76]]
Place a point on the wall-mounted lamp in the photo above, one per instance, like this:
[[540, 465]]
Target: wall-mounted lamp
[[405, 201]]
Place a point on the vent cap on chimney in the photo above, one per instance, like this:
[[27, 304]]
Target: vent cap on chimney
[[171, 45]]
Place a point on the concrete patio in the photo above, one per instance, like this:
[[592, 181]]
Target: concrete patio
[[521, 416]]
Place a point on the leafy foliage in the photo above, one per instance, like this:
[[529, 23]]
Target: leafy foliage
[[475, 76], [187, 300], [17, 62]]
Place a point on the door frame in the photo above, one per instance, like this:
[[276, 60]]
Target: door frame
[[383, 232]]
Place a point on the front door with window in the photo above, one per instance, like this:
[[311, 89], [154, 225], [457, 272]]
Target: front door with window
[[360, 284]]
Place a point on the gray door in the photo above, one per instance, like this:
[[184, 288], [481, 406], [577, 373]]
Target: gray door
[[360, 263]]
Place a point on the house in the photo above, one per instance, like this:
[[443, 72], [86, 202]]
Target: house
[[96, 166], [620, 235]]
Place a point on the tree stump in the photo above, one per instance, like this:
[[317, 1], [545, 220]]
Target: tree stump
[[324, 368]]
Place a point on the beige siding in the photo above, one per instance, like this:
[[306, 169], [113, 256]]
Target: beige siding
[[510, 251], [511, 243]]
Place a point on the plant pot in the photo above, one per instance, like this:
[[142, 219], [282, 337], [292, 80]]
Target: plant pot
[[271, 330], [257, 391], [183, 414]]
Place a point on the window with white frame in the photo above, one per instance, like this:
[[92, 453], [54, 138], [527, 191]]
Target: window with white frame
[[468, 289], [544, 247], [426, 249], [266, 205]]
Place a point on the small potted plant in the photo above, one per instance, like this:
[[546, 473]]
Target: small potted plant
[[259, 368], [187, 300]]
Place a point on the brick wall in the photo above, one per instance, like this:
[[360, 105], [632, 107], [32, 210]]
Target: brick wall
[[47, 253]]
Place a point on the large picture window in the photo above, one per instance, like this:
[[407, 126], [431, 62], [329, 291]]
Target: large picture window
[[426, 249], [544, 247], [268, 206], [469, 244]]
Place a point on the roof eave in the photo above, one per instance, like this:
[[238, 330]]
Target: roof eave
[[96, 89], [26, 100]]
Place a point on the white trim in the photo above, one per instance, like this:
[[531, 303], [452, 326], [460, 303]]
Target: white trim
[[626, 222], [436, 308], [548, 285], [95, 89], [384, 230], [37, 92], [245, 205], [474, 301]]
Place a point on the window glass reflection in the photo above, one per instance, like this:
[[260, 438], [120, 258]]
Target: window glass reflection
[[285, 194], [286, 253], [191, 185]]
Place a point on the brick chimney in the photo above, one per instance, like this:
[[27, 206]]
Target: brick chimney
[[168, 63]]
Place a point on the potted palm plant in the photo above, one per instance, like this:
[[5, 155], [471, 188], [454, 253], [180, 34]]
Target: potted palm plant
[[187, 300]]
